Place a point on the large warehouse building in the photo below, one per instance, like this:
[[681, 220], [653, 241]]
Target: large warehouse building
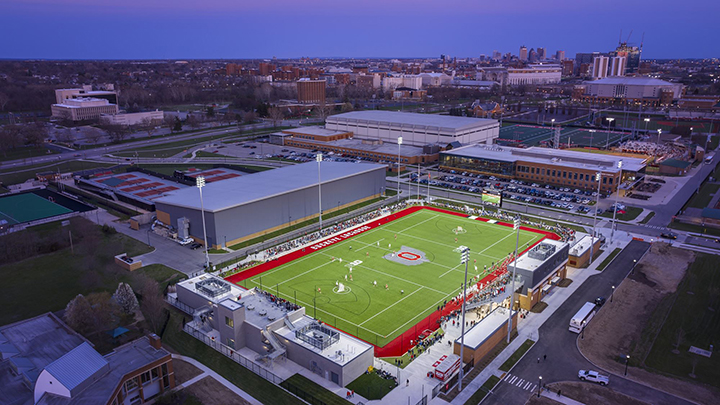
[[637, 90], [415, 129], [551, 166], [249, 206]]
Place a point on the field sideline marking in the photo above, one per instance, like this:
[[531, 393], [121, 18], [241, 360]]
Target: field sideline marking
[[396, 302], [451, 270], [419, 314], [305, 272]]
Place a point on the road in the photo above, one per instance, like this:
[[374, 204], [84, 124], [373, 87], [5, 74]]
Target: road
[[559, 344]]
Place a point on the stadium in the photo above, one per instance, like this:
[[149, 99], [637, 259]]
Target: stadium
[[37, 206], [531, 135], [394, 277]]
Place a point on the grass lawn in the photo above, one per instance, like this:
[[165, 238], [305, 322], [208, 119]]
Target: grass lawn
[[259, 388], [515, 357], [484, 389], [694, 228], [28, 172], [24, 153], [202, 153], [311, 391], [694, 316], [161, 273], [47, 282], [702, 199], [630, 214], [609, 259], [371, 386], [159, 152], [648, 217], [427, 274]]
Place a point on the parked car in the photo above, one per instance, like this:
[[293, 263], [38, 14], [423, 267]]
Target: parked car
[[195, 245], [669, 235], [600, 301], [593, 376]]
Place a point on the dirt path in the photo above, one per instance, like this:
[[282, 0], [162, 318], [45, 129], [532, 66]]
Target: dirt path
[[617, 329], [213, 393]]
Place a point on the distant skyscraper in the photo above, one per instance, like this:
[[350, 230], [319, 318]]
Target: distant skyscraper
[[541, 54], [523, 53], [617, 66], [631, 53], [600, 67], [532, 55], [496, 55], [560, 55]]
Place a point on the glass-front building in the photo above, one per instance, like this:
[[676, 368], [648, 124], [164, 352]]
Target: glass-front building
[[478, 165]]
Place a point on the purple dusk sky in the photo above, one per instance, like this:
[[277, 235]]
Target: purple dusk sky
[[236, 29]]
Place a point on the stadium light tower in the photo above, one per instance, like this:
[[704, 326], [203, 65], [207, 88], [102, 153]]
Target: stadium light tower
[[607, 142], [659, 133], [398, 168], [598, 175], [200, 183], [464, 258], [516, 228], [647, 120], [319, 158], [617, 195]]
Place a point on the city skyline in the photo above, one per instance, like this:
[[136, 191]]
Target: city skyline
[[221, 29]]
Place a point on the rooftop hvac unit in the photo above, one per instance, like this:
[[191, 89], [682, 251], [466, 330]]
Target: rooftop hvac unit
[[183, 226]]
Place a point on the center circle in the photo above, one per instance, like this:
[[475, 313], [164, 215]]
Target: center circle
[[346, 291], [409, 255]]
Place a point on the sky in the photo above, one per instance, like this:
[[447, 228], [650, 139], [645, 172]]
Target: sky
[[239, 29]]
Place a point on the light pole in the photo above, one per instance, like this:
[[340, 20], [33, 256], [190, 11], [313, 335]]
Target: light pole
[[539, 385], [633, 267], [659, 133], [516, 228], [592, 133], [607, 142], [464, 258], [319, 157], [627, 360], [617, 195], [647, 121], [598, 175], [398, 168], [200, 183], [612, 293]]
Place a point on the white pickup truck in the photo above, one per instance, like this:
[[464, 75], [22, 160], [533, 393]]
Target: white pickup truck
[[593, 376]]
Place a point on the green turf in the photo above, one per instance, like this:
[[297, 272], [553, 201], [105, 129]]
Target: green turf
[[377, 314], [630, 214], [371, 386], [484, 389], [608, 259], [26, 207], [515, 357], [702, 199], [536, 135]]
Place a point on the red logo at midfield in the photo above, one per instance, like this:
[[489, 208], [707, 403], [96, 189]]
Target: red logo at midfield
[[409, 255]]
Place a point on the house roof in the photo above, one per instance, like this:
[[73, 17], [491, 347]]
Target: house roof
[[76, 366]]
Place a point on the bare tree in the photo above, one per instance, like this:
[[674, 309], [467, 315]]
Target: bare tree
[[148, 126], [249, 117], [116, 132], [321, 111], [94, 136], [276, 115], [169, 121], [4, 98], [78, 314], [153, 305], [35, 134], [10, 138], [104, 311], [193, 121]]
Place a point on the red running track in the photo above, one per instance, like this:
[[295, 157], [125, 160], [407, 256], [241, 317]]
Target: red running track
[[401, 344]]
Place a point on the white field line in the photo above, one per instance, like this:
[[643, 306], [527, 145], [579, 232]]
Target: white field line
[[451, 270], [396, 302]]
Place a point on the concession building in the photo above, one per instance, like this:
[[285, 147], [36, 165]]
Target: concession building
[[249, 206]]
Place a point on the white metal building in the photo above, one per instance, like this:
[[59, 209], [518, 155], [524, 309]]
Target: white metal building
[[535, 74], [415, 129], [631, 87]]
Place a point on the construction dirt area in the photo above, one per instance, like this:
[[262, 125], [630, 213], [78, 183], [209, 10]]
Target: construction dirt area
[[622, 327], [212, 392], [583, 392]]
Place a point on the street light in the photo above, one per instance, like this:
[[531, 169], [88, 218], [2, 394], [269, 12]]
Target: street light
[[200, 183], [612, 293], [627, 360], [647, 120], [516, 228], [597, 202], [632, 271], [539, 385], [398, 168], [607, 142], [617, 195], [319, 158], [464, 259]]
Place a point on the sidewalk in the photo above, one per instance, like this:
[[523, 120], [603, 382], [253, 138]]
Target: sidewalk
[[209, 372], [560, 398], [529, 328]]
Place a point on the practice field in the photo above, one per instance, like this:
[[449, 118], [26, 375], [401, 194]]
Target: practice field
[[26, 207], [398, 273], [537, 135]]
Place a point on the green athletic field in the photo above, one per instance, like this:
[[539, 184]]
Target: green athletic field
[[26, 207], [374, 313], [534, 136]]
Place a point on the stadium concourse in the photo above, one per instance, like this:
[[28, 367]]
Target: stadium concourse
[[325, 260]]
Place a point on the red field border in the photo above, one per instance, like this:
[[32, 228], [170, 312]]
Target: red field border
[[400, 344]]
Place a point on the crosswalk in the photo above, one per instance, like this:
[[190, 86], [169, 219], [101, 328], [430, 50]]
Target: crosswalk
[[662, 228], [519, 382]]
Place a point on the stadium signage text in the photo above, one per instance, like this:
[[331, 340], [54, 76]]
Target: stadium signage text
[[340, 238]]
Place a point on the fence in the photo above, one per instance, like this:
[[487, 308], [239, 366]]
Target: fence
[[179, 305], [302, 394], [232, 354]]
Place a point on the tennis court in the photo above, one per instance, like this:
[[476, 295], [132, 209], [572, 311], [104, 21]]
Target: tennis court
[[531, 135], [19, 208]]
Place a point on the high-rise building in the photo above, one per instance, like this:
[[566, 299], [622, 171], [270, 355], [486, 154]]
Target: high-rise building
[[560, 55], [617, 65], [582, 58], [631, 53], [567, 67], [496, 55], [523, 53], [532, 55], [311, 91], [600, 67], [541, 53]]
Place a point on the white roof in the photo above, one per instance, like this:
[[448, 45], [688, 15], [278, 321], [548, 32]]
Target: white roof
[[528, 263], [242, 190], [395, 118], [582, 246], [557, 157], [637, 81], [486, 327], [317, 131]]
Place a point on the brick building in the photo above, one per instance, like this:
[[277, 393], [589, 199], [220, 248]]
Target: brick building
[[311, 91]]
